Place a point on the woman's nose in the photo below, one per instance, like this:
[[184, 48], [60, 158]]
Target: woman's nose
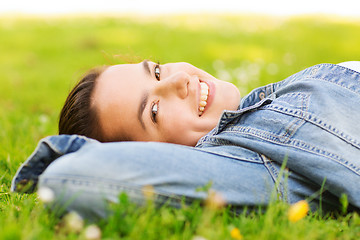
[[176, 84]]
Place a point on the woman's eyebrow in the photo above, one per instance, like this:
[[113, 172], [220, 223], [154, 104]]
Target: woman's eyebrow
[[146, 66], [142, 106]]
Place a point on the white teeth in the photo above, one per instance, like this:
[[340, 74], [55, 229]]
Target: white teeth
[[203, 97], [204, 85], [202, 103], [204, 91]]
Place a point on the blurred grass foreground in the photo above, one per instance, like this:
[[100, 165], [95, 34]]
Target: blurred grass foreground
[[41, 58]]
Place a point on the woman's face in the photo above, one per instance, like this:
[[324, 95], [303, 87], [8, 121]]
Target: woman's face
[[175, 102]]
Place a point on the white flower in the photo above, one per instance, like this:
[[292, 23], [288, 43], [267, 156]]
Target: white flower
[[46, 195], [73, 222], [92, 232]]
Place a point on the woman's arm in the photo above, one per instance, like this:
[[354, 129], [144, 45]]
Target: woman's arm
[[86, 180]]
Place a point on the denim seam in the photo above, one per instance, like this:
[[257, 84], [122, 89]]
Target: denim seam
[[274, 174], [105, 185], [349, 69], [312, 149], [301, 118], [299, 145], [215, 143], [329, 65], [333, 82], [257, 133], [316, 121]]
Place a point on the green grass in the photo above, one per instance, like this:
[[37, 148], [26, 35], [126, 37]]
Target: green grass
[[42, 58]]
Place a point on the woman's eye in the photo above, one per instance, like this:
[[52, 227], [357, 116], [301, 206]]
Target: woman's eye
[[154, 111], [157, 71]]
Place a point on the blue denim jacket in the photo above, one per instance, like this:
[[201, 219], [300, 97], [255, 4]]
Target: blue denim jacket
[[308, 122], [310, 119]]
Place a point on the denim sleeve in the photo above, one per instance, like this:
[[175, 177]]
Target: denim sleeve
[[48, 150], [88, 179]]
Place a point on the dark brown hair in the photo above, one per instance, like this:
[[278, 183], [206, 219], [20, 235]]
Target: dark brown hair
[[78, 116]]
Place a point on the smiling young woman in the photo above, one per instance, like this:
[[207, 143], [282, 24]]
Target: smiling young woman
[[174, 102], [308, 121]]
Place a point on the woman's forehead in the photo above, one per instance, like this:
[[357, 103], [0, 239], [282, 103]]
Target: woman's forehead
[[117, 84], [120, 69], [118, 75], [117, 96]]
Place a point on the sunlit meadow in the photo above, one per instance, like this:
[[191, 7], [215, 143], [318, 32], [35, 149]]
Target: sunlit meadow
[[42, 58]]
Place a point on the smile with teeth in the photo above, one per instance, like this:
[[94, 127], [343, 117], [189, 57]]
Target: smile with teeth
[[203, 97]]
